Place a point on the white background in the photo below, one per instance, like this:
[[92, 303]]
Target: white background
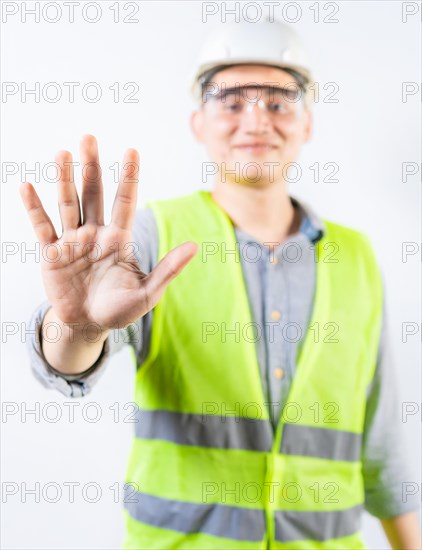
[[369, 53]]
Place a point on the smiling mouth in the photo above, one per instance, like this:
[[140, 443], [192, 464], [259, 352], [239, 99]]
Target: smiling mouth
[[256, 147]]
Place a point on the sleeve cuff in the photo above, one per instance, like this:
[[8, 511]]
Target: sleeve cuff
[[404, 499], [70, 385]]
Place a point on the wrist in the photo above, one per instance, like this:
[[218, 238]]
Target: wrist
[[79, 332]]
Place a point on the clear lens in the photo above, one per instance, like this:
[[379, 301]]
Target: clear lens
[[277, 101]]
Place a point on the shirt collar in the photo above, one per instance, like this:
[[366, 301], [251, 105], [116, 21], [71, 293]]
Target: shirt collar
[[311, 225]]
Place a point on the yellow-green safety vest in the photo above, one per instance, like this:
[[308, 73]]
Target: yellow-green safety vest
[[206, 469]]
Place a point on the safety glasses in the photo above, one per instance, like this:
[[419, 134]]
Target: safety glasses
[[279, 102]]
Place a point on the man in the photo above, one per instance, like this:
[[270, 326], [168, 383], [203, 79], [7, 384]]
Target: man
[[265, 394]]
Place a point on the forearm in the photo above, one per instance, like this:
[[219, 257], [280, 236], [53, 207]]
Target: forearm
[[72, 350], [403, 532]]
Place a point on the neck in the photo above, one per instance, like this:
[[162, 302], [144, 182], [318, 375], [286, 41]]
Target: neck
[[265, 213]]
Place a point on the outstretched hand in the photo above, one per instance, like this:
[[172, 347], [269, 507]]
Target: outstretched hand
[[90, 274]]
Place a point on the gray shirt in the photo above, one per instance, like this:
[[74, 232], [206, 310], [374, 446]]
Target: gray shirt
[[280, 287]]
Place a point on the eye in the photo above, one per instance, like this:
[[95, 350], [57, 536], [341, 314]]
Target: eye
[[232, 107], [277, 107]]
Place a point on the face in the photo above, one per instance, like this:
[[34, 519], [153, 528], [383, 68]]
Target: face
[[251, 145]]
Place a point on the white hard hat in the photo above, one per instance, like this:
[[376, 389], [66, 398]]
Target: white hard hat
[[264, 43]]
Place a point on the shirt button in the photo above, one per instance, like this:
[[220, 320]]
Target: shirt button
[[279, 373], [275, 315]]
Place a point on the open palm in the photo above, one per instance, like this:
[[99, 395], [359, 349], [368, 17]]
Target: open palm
[[90, 273]]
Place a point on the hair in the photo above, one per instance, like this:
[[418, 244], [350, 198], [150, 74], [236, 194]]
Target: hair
[[206, 77]]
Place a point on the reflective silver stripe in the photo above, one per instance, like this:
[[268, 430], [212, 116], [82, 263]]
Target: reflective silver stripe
[[292, 525], [226, 432], [320, 442], [244, 524]]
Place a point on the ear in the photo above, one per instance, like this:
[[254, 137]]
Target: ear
[[308, 125], [197, 125]]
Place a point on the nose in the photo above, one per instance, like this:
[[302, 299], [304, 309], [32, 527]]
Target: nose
[[255, 118]]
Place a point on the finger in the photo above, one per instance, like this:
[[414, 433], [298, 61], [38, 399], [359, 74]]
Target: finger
[[167, 269], [41, 223], [69, 207], [124, 206], [92, 186]]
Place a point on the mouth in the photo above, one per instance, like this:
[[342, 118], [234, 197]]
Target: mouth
[[255, 147]]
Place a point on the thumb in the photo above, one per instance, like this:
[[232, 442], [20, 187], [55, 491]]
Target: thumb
[[167, 269]]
